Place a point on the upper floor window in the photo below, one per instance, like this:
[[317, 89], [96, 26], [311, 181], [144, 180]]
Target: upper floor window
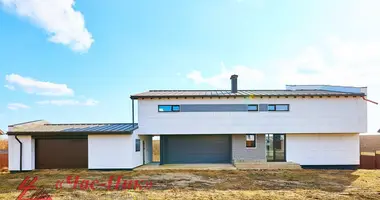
[[168, 108], [253, 107], [250, 140], [278, 107]]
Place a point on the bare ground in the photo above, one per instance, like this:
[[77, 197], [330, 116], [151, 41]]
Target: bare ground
[[237, 184]]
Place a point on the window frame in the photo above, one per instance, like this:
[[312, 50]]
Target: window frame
[[254, 141], [257, 107], [171, 108], [137, 142], [275, 107]]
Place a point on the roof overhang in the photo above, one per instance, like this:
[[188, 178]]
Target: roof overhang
[[65, 133], [243, 96]]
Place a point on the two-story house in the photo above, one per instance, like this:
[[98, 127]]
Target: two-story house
[[313, 125]]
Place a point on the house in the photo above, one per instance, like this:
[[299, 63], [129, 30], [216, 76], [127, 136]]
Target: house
[[313, 125]]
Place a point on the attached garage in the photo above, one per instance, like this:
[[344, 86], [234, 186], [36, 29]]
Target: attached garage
[[41, 145], [195, 149], [61, 153]]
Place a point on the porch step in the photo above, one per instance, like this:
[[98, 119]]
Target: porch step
[[267, 165]]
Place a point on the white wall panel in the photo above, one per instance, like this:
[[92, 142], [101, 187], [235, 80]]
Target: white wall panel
[[14, 153], [110, 152], [323, 149], [306, 115]]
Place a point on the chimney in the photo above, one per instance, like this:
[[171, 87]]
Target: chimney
[[234, 88]]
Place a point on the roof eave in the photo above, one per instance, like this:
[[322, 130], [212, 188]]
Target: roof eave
[[70, 133], [237, 95]]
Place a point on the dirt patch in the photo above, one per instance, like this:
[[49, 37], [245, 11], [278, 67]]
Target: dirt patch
[[231, 184], [178, 180]]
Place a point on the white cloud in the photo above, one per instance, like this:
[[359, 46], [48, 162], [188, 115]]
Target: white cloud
[[336, 62], [33, 86], [17, 106], [58, 18], [248, 77], [11, 87], [69, 102]]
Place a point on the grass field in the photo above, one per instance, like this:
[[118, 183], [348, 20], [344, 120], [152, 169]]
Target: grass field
[[234, 184]]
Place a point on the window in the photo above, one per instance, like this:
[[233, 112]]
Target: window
[[250, 141], [271, 107], [175, 108], [282, 107], [278, 107], [253, 107], [168, 108], [137, 145]]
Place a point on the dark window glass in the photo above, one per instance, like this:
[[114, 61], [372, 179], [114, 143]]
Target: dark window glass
[[271, 107], [168, 108], [250, 140], [253, 107], [164, 108], [137, 145], [278, 107], [175, 108]]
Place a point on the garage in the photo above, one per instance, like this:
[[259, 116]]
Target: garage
[[195, 149], [61, 153]]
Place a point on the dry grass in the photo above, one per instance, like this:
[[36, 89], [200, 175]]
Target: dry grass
[[234, 184], [156, 150], [3, 144]]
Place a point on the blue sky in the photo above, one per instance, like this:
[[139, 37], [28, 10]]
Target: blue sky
[[66, 61]]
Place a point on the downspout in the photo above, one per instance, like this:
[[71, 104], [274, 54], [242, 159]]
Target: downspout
[[20, 152], [133, 112], [365, 99]]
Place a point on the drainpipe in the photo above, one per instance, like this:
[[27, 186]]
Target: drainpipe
[[133, 112], [365, 99], [20, 152]]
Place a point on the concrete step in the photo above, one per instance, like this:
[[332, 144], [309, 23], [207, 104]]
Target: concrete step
[[267, 165]]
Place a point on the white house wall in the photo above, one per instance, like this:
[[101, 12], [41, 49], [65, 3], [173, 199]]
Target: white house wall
[[27, 153], [323, 149], [306, 115], [115, 151], [110, 152]]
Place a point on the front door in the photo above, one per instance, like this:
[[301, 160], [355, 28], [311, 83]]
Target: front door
[[276, 147]]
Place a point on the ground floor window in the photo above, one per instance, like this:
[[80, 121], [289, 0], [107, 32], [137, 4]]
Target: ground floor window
[[250, 140], [138, 145]]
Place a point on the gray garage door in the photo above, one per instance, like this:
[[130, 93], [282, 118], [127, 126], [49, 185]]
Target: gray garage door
[[196, 149]]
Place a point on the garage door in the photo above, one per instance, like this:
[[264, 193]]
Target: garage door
[[197, 149], [61, 153]]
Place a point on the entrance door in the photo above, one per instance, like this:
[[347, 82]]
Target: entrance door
[[276, 147]]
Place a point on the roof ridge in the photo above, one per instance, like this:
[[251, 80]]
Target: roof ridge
[[26, 122]]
